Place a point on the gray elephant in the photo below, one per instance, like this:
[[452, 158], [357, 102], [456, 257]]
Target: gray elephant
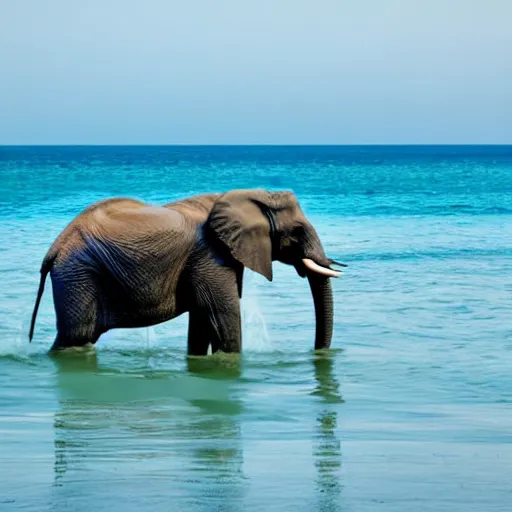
[[124, 263]]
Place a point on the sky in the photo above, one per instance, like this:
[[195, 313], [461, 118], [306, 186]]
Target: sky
[[255, 72]]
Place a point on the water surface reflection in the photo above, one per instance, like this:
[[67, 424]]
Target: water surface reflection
[[183, 434], [327, 446], [167, 434]]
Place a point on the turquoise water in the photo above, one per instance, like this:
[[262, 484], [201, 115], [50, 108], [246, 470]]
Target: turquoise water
[[410, 410]]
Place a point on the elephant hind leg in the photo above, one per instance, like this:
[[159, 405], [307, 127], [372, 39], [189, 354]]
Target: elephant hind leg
[[78, 309], [63, 341]]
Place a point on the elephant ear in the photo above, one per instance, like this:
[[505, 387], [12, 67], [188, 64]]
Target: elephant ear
[[238, 219]]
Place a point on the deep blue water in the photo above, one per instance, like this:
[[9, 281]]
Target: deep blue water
[[410, 410]]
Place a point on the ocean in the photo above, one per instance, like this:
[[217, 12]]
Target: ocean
[[411, 409]]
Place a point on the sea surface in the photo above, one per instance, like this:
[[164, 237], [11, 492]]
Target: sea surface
[[411, 409]]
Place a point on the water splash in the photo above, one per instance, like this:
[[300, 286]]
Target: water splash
[[150, 337], [255, 333]]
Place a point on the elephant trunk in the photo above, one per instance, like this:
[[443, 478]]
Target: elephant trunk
[[316, 266], [324, 309]]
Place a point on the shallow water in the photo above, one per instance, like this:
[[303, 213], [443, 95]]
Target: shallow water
[[410, 410]]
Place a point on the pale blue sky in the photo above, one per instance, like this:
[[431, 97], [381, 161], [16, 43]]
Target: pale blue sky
[[267, 71]]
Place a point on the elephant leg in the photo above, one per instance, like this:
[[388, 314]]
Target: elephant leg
[[76, 298], [227, 329], [219, 327], [199, 336], [63, 341], [214, 307]]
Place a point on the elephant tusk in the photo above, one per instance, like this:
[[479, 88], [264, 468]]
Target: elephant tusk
[[314, 267]]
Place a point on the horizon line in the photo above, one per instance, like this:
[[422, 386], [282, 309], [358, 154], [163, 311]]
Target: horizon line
[[397, 144]]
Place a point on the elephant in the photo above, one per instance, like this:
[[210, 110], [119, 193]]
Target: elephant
[[125, 263]]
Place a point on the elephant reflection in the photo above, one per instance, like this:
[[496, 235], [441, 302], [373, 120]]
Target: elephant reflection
[[151, 442], [188, 451], [70, 446], [327, 449]]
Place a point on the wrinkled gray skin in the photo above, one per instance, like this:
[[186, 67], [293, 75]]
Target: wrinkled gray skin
[[123, 263]]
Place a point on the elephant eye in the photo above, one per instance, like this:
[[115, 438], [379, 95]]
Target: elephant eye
[[297, 232]]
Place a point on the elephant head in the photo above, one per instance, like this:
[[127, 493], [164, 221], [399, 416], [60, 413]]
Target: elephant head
[[257, 227]]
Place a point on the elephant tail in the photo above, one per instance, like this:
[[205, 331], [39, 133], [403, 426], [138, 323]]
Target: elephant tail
[[45, 268]]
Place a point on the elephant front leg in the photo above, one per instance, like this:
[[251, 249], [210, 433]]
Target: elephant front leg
[[219, 327], [214, 307], [215, 313]]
